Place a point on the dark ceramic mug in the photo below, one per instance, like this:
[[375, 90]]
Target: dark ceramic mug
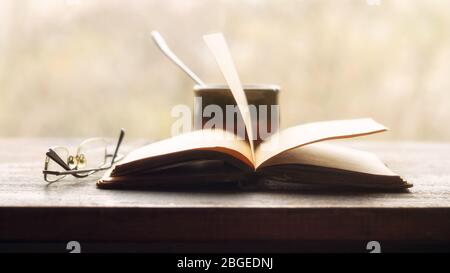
[[262, 100]]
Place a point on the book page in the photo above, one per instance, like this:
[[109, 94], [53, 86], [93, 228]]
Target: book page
[[219, 48], [301, 135], [331, 156], [213, 140]]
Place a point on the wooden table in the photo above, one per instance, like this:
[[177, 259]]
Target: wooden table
[[34, 214]]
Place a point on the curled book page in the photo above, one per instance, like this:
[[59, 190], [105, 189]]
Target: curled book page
[[219, 48], [301, 135]]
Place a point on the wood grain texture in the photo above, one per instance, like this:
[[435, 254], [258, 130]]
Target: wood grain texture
[[31, 209]]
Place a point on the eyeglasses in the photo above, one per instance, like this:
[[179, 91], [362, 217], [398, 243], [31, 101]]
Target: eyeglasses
[[91, 157]]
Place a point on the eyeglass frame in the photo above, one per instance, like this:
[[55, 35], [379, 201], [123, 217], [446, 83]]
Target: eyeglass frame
[[52, 155]]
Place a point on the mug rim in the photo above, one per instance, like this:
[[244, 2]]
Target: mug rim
[[216, 86]]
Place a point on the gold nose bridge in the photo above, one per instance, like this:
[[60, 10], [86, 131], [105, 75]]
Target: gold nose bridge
[[81, 160], [71, 161], [76, 161]]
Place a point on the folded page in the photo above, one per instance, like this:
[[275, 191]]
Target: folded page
[[219, 48]]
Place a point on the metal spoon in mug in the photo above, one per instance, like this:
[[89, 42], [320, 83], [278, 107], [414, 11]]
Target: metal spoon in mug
[[161, 43]]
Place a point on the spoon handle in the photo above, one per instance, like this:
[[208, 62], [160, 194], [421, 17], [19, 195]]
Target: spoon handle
[[161, 43]]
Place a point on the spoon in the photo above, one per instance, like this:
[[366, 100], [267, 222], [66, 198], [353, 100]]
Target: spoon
[[161, 43]]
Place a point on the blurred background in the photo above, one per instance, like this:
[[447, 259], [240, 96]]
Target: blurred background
[[86, 68]]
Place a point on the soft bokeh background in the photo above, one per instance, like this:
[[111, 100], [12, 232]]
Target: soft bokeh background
[[88, 67]]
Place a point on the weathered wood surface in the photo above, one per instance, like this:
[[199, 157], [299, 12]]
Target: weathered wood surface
[[21, 183], [31, 209]]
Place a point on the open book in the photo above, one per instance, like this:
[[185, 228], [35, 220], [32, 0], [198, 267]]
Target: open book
[[293, 155]]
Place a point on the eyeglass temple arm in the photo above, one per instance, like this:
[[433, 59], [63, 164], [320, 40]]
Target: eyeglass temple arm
[[119, 142], [75, 172], [53, 155]]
